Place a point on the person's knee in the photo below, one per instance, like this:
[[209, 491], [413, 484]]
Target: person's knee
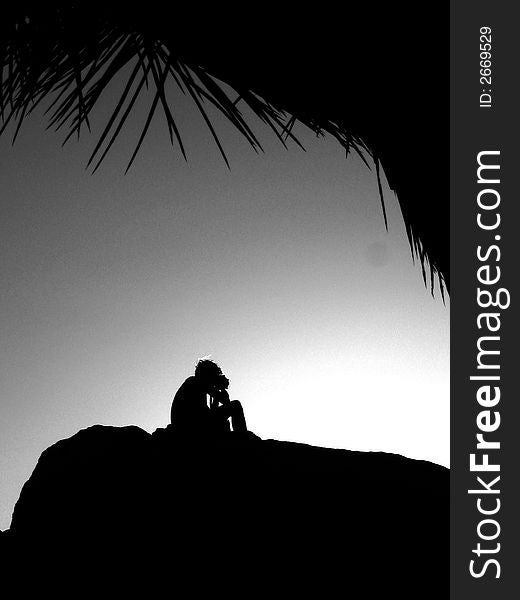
[[235, 406]]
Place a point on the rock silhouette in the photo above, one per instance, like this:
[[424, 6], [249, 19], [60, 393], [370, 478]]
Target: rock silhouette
[[116, 508]]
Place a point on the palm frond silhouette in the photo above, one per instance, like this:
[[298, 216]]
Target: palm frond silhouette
[[364, 78]]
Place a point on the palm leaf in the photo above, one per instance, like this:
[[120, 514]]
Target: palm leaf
[[69, 53]]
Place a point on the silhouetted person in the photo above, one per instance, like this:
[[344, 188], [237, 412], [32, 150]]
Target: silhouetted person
[[190, 411]]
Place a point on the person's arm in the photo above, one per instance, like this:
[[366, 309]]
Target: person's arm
[[222, 397], [221, 405]]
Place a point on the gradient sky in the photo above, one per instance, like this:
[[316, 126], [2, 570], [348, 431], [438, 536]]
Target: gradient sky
[[281, 269]]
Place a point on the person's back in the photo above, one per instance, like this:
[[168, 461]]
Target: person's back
[[190, 411]]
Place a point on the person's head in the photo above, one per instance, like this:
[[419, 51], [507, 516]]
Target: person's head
[[210, 375]]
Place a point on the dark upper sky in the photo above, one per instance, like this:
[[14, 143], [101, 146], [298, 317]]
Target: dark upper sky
[[281, 269]]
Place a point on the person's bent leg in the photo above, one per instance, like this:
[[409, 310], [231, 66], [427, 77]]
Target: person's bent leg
[[236, 412]]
